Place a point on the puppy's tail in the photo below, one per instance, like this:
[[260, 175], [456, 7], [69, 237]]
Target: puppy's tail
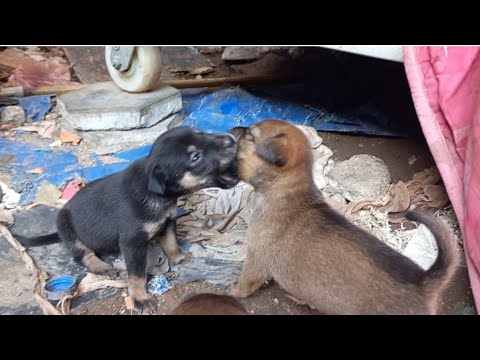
[[448, 258], [67, 234]]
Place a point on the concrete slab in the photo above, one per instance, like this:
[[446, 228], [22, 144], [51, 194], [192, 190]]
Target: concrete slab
[[103, 106], [113, 141]]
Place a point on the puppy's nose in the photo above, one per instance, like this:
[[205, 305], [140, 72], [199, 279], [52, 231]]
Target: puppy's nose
[[229, 141]]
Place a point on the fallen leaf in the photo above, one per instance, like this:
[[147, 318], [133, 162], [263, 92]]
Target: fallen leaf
[[201, 70], [37, 170], [66, 137]]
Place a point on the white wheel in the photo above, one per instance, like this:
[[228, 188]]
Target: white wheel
[[144, 72]]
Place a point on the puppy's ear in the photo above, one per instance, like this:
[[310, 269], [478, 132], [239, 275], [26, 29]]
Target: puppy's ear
[[157, 181], [238, 132], [274, 150]]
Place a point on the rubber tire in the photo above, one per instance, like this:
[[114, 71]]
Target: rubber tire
[[144, 72]]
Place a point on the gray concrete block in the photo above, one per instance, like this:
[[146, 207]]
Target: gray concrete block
[[103, 106], [113, 141]]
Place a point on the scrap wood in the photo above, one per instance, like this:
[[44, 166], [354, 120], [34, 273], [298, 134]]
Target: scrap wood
[[180, 84], [39, 276]]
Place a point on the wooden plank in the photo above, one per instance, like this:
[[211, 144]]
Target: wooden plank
[[88, 63]]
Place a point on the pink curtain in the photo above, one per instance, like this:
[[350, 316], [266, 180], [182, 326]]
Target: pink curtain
[[445, 87]]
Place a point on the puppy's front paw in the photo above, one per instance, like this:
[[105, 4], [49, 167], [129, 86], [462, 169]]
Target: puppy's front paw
[[145, 305]]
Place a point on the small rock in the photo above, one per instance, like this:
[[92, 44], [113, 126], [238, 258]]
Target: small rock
[[360, 177], [239, 53], [276, 301], [36, 226], [13, 115]]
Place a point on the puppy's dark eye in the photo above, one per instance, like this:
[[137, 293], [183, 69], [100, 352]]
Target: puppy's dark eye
[[195, 157]]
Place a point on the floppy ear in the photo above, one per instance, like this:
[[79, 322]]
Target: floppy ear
[[274, 150], [157, 181]]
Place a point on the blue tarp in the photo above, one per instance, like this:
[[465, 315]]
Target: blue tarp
[[209, 111], [35, 107], [226, 108]]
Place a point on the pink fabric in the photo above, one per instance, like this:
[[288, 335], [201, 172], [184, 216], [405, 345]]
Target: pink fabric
[[445, 86]]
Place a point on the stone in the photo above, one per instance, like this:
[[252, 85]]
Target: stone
[[14, 115], [36, 226], [104, 106], [360, 177]]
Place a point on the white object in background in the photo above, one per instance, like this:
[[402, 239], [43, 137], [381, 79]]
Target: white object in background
[[386, 52]]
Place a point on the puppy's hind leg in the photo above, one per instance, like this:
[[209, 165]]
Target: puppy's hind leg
[[251, 279], [79, 251]]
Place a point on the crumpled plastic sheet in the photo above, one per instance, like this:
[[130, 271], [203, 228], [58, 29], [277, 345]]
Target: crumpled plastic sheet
[[229, 107], [158, 285]]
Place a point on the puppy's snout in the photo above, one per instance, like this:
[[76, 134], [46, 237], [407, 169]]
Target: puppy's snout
[[238, 132]]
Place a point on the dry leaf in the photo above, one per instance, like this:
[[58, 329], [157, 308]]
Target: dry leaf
[[66, 137], [37, 170]]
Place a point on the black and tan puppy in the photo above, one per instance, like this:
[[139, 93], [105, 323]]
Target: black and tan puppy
[[124, 211], [314, 253], [210, 304]]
